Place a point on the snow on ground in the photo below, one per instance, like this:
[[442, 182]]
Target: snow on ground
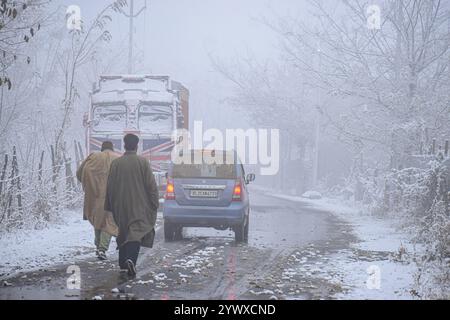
[[379, 234], [395, 278], [199, 261], [72, 239], [64, 242], [377, 253], [29, 250]]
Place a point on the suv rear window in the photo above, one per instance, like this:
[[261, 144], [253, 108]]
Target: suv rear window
[[215, 171]]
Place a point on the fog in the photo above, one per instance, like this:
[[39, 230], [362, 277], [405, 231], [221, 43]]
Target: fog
[[340, 109], [248, 64], [183, 39], [178, 38]]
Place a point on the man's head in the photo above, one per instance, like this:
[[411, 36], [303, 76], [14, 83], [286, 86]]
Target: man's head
[[107, 145], [131, 142]]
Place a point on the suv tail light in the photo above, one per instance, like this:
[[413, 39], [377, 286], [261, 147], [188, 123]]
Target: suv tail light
[[170, 190], [237, 192]]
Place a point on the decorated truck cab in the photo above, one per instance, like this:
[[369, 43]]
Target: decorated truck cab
[[152, 107]]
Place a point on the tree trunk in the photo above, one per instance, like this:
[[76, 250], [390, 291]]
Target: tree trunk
[[54, 177], [17, 181], [41, 164], [70, 183], [80, 150], [3, 183], [3, 175]]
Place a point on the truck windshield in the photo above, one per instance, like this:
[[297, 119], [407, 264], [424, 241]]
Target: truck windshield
[[155, 119], [109, 118]]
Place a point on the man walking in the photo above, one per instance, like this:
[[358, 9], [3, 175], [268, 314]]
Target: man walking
[[132, 196], [93, 175]]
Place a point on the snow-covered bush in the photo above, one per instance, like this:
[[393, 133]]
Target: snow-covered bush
[[408, 191], [34, 198], [433, 276], [419, 197]]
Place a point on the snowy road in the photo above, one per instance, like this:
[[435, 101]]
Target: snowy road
[[293, 253]]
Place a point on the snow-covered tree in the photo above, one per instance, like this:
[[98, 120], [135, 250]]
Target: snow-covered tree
[[390, 84], [20, 21]]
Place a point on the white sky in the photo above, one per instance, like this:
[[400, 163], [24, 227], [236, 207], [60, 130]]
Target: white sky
[[175, 37]]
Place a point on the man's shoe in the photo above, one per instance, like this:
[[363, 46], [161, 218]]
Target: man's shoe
[[101, 255], [131, 268]]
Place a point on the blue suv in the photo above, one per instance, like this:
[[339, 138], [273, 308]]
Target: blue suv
[[207, 195]]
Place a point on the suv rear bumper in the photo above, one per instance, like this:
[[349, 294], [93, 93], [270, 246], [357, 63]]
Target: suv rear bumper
[[204, 216]]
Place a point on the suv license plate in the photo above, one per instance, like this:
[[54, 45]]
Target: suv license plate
[[204, 194]]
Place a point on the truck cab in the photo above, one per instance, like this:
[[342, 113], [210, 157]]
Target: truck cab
[[152, 107]]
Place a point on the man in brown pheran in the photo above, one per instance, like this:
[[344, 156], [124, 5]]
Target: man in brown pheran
[[93, 174]]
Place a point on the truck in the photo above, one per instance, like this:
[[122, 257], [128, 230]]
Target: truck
[[152, 107]]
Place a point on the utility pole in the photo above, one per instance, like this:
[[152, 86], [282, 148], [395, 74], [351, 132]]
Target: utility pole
[[315, 177], [316, 150], [132, 16], [398, 43]]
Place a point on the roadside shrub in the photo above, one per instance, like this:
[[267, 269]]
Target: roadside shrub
[[419, 198]]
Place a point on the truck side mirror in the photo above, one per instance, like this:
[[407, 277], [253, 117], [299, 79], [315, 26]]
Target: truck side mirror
[[250, 178]]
